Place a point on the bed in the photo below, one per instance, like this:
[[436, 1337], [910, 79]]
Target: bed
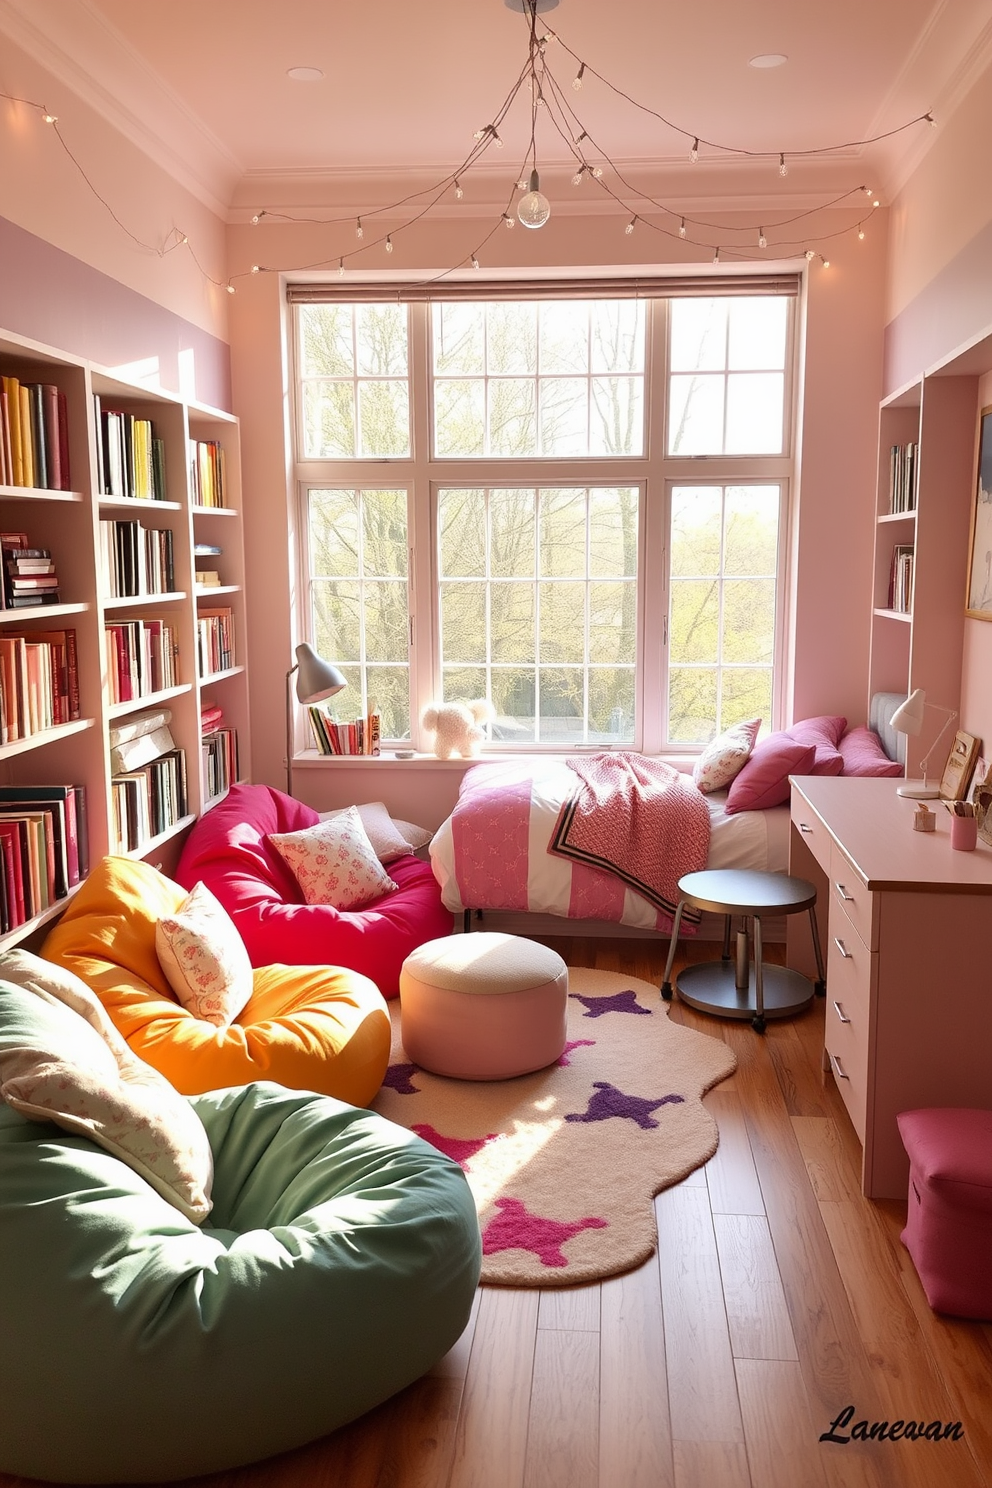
[[505, 866]]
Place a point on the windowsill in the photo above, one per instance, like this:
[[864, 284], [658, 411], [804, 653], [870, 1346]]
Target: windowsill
[[311, 759]]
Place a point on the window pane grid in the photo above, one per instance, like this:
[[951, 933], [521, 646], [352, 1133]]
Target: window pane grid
[[355, 392], [359, 599], [521, 380], [722, 608], [533, 662]]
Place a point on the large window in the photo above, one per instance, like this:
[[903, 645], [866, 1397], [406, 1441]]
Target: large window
[[576, 508]]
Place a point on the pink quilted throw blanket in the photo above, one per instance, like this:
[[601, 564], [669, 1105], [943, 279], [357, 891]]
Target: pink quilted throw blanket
[[637, 818]]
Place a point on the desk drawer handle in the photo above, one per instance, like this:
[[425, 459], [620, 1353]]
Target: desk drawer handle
[[848, 898], [804, 828], [838, 1067], [841, 1013], [842, 948]]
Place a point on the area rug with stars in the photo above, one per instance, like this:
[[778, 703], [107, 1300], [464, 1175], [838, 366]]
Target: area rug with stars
[[564, 1163]]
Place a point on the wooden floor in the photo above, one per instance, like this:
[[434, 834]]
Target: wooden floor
[[778, 1297]]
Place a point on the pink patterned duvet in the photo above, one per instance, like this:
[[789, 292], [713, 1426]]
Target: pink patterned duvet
[[493, 851]]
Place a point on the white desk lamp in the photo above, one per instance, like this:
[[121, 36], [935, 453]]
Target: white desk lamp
[[908, 719], [317, 680]]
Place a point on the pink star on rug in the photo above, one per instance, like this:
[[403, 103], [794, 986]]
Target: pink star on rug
[[459, 1149], [515, 1229], [563, 1058]]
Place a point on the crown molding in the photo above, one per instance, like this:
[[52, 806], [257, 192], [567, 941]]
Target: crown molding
[[90, 57]]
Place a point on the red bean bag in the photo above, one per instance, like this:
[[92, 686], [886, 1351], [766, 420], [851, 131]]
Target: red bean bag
[[228, 850]]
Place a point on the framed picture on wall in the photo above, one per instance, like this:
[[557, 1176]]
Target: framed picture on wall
[[979, 605], [960, 765]]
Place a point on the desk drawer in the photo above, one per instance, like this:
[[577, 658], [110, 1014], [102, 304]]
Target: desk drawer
[[850, 893], [849, 972], [812, 831]]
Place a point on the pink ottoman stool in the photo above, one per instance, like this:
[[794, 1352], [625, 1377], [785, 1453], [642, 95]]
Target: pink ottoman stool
[[949, 1226], [483, 1006]]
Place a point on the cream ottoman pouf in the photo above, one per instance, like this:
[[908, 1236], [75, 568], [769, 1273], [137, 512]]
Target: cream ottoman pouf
[[483, 1006]]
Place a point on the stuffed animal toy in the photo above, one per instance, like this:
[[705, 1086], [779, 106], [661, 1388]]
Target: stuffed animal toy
[[455, 727]]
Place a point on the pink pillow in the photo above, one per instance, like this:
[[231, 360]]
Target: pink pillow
[[824, 733], [764, 780], [862, 754]]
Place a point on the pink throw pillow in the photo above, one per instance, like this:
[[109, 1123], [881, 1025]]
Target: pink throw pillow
[[334, 862], [824, 733], [862, 754], [764, 780]]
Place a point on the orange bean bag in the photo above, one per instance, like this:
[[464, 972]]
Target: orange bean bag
[[318, 1028]]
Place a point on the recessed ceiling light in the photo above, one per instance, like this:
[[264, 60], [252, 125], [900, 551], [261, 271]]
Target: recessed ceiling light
[[304, 74], [768, 59]]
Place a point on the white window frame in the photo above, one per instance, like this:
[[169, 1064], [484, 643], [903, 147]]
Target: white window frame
[[654, 472]]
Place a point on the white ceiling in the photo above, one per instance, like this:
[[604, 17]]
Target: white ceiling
[[202, 86]]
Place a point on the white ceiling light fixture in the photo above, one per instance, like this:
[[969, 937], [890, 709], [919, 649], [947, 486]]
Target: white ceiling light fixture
[[304, 74], [768, 59]]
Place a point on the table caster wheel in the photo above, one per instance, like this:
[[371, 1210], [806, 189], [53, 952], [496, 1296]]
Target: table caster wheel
[[758, 1024]]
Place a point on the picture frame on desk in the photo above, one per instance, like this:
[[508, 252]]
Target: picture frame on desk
[[979, 601], [960, 766]]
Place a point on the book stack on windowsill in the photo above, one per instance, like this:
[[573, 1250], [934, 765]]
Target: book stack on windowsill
[[148, 779], [29, 576], [219, 751], [358, 737]]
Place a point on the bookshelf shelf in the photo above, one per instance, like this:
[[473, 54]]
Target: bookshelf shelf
[[161, 839], [35, 493], [150, 700], [142, 601], [45, 736], [213, 677], [136, 504], [903, 615], [215, 511], [207, 591], [43, 612]]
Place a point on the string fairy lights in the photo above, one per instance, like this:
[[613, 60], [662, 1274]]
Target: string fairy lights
[[550, 101]]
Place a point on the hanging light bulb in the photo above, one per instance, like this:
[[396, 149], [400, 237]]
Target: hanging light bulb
[[577, 80], [630, 226], [255, 220], [475, 261], [694, 152], [597, 172], [341, 267], [682, 228], [809, 254], [256, 268], [762, 240], [716, 254], [230, 289], [534, 209], [496, 139], [868, 190], [876, 202], [783, 169], [577, 178], [930, 120], [359, 229], [510, 220], [50, 118], [389, 244], [459, 193], [825, 261]]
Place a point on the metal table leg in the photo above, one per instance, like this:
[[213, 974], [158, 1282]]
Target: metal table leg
[[666, 986]]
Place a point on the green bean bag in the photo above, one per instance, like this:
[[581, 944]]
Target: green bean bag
[[337, 1265]]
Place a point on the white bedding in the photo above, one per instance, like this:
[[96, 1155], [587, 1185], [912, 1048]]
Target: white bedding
[[520, 874]]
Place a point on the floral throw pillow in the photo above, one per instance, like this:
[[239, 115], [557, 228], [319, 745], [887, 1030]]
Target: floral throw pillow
[[334, 862], [725, 756], [204, 958], [74, 1068]]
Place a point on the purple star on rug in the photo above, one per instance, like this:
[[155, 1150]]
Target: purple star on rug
[[620, 1002], [612, 1102], [515, 1229], [563, 1059], [459, 1149], [397, 1077]]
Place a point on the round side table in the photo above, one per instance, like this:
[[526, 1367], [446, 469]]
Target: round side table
[[737, 987]]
